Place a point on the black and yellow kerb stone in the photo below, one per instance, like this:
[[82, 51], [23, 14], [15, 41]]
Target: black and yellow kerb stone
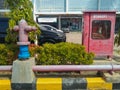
[[96, 83], [73, 84]]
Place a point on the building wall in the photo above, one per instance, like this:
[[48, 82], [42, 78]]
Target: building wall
[[65, 5], [67, 10], [68, 13], [50, 6], [3, 9], [75, 5], [113, 5]]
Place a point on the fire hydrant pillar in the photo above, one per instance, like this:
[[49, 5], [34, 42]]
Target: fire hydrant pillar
[[23, 42]]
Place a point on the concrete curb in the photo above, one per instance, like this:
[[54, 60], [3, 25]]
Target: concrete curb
[[5, 84], [73, 84], [96, 83]]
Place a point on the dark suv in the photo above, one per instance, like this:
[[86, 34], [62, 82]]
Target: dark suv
[[50, 34]]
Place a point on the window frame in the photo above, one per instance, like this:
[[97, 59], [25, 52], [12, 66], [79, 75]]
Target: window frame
[[105, 33]]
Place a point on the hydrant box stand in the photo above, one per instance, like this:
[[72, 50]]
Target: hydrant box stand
[[98, 32]]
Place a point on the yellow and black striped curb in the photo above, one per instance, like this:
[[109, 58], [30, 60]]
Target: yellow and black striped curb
[[74, 84], [63, 84], [5, 84]]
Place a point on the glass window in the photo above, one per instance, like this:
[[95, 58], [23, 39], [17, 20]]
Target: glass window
[[43, 28], [71, 24], [50, 5], [101, 29], [50, 28], [82, 5], [117, 25], [47, 27], [111, 5]]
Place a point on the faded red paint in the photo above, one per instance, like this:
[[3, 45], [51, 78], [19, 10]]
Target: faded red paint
[[98, 32], [23, 30]]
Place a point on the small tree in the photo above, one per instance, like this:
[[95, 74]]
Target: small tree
[[20, 9], [117, 38], [117, 32]]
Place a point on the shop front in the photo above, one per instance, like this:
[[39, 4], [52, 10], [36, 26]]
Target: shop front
[[70, 23]]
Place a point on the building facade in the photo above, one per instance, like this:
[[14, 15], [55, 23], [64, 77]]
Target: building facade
[[3, 9], [67, 14]]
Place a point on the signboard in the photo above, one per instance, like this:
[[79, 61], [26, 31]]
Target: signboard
[[100, 16], [50, 19]]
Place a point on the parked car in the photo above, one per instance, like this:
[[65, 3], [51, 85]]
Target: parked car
[[50, 35], [66, 30], [49, 27], [3, 29]]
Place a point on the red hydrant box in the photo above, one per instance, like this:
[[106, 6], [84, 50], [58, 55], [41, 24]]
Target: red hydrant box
[[98, 32]]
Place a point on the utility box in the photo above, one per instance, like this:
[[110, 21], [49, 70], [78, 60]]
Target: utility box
[[98, 32]]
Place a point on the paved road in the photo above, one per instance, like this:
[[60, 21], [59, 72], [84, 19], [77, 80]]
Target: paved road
[[74, 37]]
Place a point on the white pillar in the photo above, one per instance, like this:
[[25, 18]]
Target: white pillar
[[59, 22], [67, 6], [98, 5], [34, 10]]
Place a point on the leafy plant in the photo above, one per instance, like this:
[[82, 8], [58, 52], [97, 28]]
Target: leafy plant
[[3, 54], [20, 9], [62, 53], [49, 54], [117, 39], [8, 53]]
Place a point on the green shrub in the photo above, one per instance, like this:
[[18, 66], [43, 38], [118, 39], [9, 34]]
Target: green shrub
[[49, 54], [3, 54], [8, 53], [13, 50], [62, 53]]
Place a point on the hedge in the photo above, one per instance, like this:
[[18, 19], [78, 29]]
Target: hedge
[[61, 54], [8, 53], [49, 54]]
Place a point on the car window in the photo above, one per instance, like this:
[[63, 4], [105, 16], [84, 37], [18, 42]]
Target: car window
[[43, 28], [47, 27], [50, 28]]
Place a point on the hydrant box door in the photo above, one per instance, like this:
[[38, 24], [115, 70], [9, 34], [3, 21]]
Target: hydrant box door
[[101, 33]]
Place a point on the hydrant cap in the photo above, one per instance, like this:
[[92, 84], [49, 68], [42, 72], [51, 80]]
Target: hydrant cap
[[22, 21]]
